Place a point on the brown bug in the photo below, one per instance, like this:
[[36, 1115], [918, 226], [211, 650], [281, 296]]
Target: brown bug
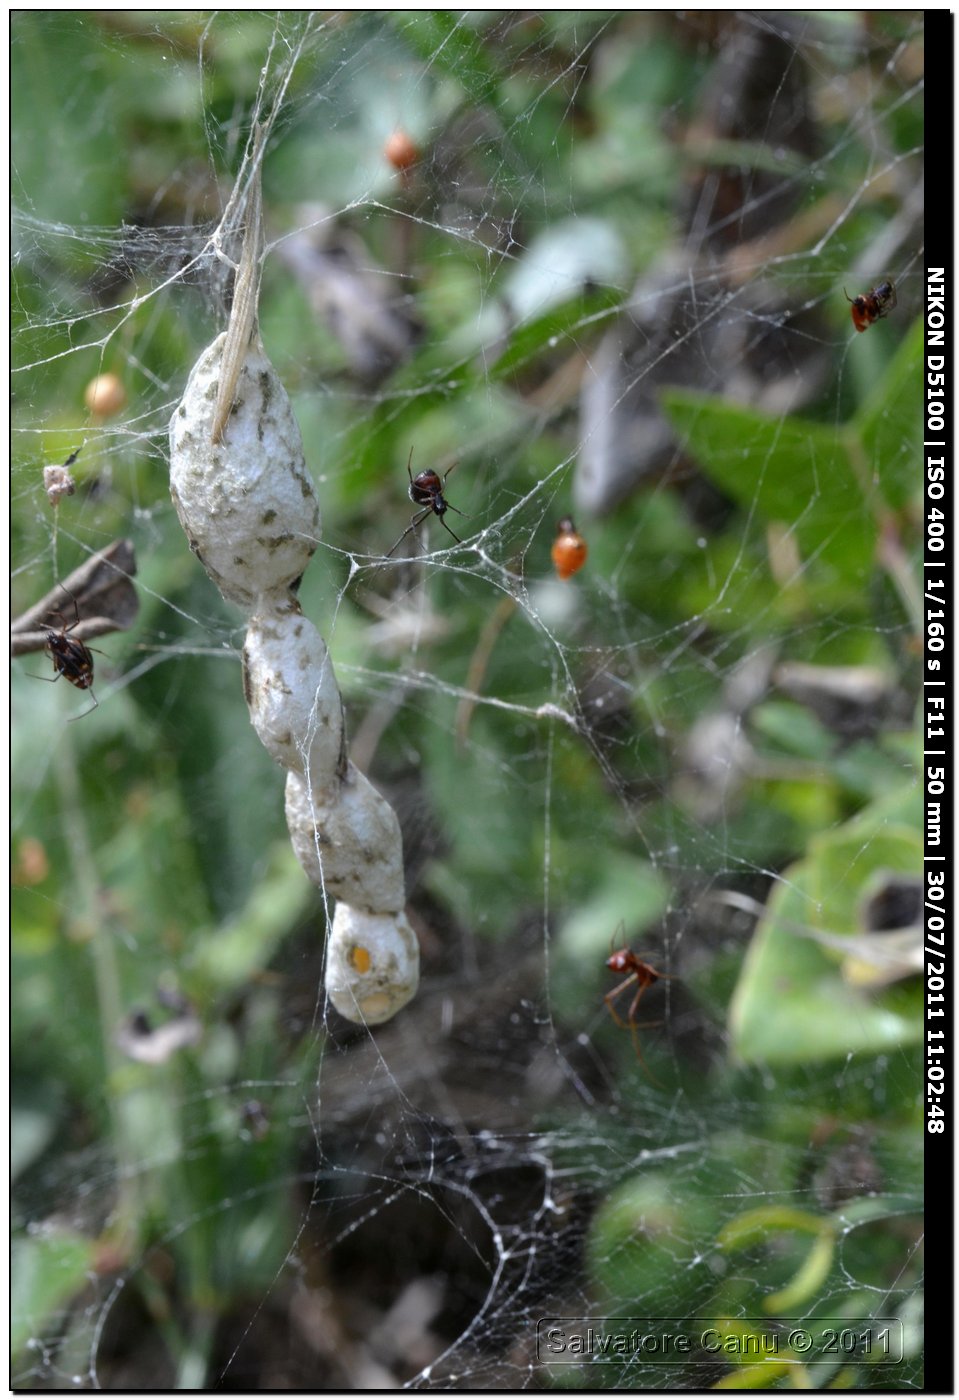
[[426, 490], [872, 306], [71, 659], [642, 976]]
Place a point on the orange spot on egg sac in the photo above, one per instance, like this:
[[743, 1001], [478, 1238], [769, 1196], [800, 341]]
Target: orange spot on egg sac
[[360, 959]]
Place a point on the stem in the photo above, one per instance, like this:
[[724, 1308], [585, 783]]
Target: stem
[[84, 888]]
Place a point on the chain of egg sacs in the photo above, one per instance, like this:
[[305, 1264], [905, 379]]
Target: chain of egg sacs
[[251, 515]]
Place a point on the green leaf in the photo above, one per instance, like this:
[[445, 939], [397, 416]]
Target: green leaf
[[832, 487], [32, 1129], [786, 471], [628, 892], [644, 1237], [545, 334], [797, 1000], [45, 1273], [444, 39], [888, 426], [755, 1226], [230, 955]]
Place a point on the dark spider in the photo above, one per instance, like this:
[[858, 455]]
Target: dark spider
[[426, 490], [71, 659]]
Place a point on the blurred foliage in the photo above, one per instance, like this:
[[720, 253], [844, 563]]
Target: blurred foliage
[[149, 844]]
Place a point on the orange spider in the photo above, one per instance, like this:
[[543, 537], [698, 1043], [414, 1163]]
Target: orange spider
[[641, 975]]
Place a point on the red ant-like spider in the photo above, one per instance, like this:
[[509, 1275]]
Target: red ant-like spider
[[642, 976], [71, 659], [426, 490]]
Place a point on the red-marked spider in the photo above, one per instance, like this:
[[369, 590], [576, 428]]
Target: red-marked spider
[[426, 490]]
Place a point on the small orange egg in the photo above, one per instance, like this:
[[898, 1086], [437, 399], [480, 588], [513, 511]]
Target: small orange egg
[[401, 151], [569, 548], [105, 395]]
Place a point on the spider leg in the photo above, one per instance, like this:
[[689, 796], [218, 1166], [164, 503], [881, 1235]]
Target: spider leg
[[635, 1028], [639, 1055], [631, 1024], [52, 680], [86, 712], [612, 996], [76, 610], [644, 984], [447, 528], [418, 519], [634, 1005]]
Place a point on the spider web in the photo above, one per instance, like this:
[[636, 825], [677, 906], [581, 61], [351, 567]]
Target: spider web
[[610, 286]]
